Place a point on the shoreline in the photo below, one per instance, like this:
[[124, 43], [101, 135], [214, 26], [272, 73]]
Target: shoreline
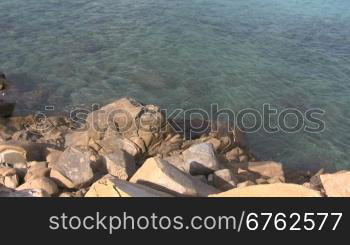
[[127, 148]]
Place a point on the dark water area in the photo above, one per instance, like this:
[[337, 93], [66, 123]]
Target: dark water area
[[189, 54]]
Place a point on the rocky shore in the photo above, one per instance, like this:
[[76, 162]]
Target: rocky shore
[[128, 149]]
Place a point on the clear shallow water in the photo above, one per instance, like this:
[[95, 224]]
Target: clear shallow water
[[185, 54]]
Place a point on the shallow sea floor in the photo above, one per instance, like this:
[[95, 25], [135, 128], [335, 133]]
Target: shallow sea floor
[[190, 54]]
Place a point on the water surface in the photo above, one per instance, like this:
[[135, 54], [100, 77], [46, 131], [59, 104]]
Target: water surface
[[190, 53]]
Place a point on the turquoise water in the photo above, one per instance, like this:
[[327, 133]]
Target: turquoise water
[[190, 53]]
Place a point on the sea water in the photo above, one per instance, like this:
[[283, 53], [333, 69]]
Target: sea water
[[190, 54]]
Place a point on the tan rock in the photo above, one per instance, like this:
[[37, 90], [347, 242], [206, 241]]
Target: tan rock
[[268, 169], [110, 186], [245, 184], [337, 184], [270, 190], [159, 174], [36, 172], [53, 156], [8, 177], [12, 154], [43, 183]]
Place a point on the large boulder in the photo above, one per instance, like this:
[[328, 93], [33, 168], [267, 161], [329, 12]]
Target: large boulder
[[159, 174], [72, 170], [110, 186], [270, 190], [200, 159], [337, 184]]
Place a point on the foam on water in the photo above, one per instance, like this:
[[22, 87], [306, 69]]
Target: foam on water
[[185, 54]]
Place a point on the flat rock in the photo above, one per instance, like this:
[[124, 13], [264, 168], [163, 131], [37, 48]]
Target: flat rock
[[111, 186], [200, 159], [337, 184], [159, 174], [270, 190], [72, 166]]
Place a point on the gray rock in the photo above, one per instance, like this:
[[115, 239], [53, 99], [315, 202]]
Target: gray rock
[[120, 164], [200, 159], [74, 166], [224, 179], [5, 192]]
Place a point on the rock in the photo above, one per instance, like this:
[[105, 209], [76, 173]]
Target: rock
[[53, 156], [77, 139], [245, 184], [12, 154], [201, 178], [65, 194], [110, 186], [267, 169], [275, 179], [8, 177], [112, 143], [2, 75], [233, 155], [215, 142], [23, 193], [178, 162], [200, 159], [120, 164], [61, 180], [43, 183], [72, 169], [337, 184], [159, 174], [36, 172], [21, 168], [243, 158], [270, 190], [224, 179]]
